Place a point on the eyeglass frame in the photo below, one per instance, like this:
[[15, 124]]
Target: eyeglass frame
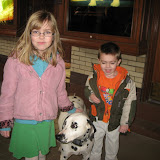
[[39, 33]]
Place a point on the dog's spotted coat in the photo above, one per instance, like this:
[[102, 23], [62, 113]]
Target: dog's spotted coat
[[76, 132]]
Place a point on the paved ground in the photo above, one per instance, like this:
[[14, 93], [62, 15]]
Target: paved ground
[[132, 147]]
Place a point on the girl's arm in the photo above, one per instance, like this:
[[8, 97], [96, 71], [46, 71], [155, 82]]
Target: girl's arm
[[6, 124], [8, 90], [5, 128], [63, 101]]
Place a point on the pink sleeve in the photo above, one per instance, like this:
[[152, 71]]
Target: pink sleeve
[[63, 100], [8, 89]]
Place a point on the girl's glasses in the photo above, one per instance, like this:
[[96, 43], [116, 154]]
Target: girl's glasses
[[45, 34]]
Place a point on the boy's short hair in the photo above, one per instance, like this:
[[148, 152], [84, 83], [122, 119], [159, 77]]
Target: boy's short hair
[[110, 48]]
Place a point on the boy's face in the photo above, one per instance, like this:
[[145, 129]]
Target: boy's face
[[108, 64]]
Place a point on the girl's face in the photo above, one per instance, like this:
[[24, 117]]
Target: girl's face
[[40, 41], [108, 64]]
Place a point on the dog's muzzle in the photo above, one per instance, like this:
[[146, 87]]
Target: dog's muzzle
[[60, 137]]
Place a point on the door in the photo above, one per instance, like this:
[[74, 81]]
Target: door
[[155, 91]]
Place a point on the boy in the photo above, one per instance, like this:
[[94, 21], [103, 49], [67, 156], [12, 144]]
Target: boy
[[113, 95]]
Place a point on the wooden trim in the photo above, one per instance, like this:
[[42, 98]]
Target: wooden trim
[[134, 45], [59, 1], [152, 41], [137, 17], [131, 49], [77, 78], [3, 59]]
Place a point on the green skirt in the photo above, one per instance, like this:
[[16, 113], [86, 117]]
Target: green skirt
[[27, 139]]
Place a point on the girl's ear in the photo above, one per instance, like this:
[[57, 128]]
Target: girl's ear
[[119, 61]]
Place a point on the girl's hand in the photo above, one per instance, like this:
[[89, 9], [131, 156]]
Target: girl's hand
[[123, 128], [94, 98], [78, 110], [5, 134]]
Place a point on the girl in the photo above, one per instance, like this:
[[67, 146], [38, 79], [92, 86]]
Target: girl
[[33, 88]]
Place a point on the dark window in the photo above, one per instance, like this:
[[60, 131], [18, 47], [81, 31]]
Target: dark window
[[102, 17]]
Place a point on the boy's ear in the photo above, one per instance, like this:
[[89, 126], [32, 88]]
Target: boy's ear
[[119, 61], [98, 60]]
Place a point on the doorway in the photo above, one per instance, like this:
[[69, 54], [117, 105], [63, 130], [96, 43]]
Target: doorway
[[155, 88]]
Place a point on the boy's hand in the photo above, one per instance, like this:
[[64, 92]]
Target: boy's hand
[[123, 128], [94, 98], [5, 134]]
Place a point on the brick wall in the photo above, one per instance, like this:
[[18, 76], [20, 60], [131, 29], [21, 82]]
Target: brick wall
[[7, 44], [82, 59]]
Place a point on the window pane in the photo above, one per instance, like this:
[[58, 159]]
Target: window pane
[[101, 16], [6, 12]]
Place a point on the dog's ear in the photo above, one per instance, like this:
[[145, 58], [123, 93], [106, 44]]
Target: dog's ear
[[65, 121], [91, 125], [88, 126], [93, 129]]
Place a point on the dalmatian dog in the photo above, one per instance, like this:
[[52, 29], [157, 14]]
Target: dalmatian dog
[[76, 134]]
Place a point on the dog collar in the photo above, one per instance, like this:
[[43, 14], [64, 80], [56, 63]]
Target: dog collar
[[80, 142]]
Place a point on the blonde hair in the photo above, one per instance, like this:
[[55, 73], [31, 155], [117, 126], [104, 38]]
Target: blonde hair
[[24, 48]]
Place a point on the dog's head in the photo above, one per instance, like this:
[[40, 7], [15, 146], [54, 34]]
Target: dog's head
[[75, 126], [77, 101]]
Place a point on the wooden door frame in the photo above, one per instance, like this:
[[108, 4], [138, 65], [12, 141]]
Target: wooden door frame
[[154, 20]]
